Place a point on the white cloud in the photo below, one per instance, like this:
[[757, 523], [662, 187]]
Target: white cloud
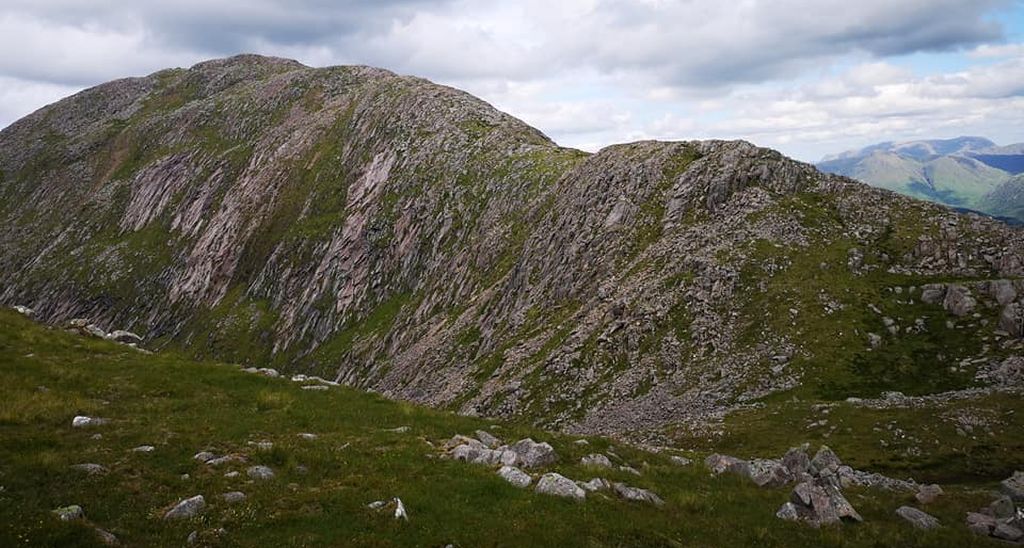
[[21, 97], [807, 76]]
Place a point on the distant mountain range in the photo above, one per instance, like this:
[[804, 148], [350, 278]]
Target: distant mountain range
[[966, 172]]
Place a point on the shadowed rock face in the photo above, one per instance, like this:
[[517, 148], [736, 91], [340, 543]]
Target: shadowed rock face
[[403, 236]]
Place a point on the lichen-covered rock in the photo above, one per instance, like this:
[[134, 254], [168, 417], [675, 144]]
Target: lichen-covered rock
[[90, 468], [186, 508], [637, 494], [82, 421], [927, 494], [820, 503], [595, 484], [596, 460], [488, 439], [1013, 487], [558, 485], [531, 454], [958, 300], [261, 473], [515, 476], [917, 518], [69, 513], [719, 464], [232, 497]]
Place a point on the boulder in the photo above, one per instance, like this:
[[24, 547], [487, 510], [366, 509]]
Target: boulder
[[596, 460], [69, 513], [515, 476], [796, 461], [226, 459], [788, 512], [82, 421], [958, 301], [926, 494], [89, 468], [826, 460], [821, 503], [143, 449], [558, 485], [204, 456], [636, 494], [478, 454], [106, 538], [307, 436], [260, 473], [1005, 531], [233, 497], [1013, 486], [531, 454], [980, 524], [718, 464], [1011, 320], [917, 518], [1003, 291], [487, 439], [123, 336], [595, 484], [681, 461], [768, 473], [459, 439], [24, 310], [1002, 508], [629, 470], [187, 508], [933, 293], [400, 512]]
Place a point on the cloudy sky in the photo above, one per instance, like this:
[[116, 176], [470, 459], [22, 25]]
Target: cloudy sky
[[807, 77]]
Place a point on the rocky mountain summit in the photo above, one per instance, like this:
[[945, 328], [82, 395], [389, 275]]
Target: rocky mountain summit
[[392, 234]]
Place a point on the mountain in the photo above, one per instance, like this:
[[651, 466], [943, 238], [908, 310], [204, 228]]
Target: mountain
[[966, 172], [404, 237]]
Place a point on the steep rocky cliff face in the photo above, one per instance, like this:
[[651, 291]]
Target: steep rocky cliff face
[[407, 237]]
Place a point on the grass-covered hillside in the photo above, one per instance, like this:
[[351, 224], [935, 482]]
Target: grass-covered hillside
[[364, 449]]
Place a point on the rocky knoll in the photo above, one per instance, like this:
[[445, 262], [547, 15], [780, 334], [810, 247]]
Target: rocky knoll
[[389, 233]]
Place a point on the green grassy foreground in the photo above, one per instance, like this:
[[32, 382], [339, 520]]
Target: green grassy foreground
[[323, 486]]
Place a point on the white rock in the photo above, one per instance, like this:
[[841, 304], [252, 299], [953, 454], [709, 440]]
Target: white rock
[[187, 508], [144, 449], [82, 421], [260, 473], [90, 468], [558, 485], [487, 439], [204, 456], [595, 484], [233, 497], [400, 512], [69, 513], [596, 460], [515, 476], [637, 494]]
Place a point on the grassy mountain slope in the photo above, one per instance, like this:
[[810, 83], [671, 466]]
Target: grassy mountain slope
[[322, 487]]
